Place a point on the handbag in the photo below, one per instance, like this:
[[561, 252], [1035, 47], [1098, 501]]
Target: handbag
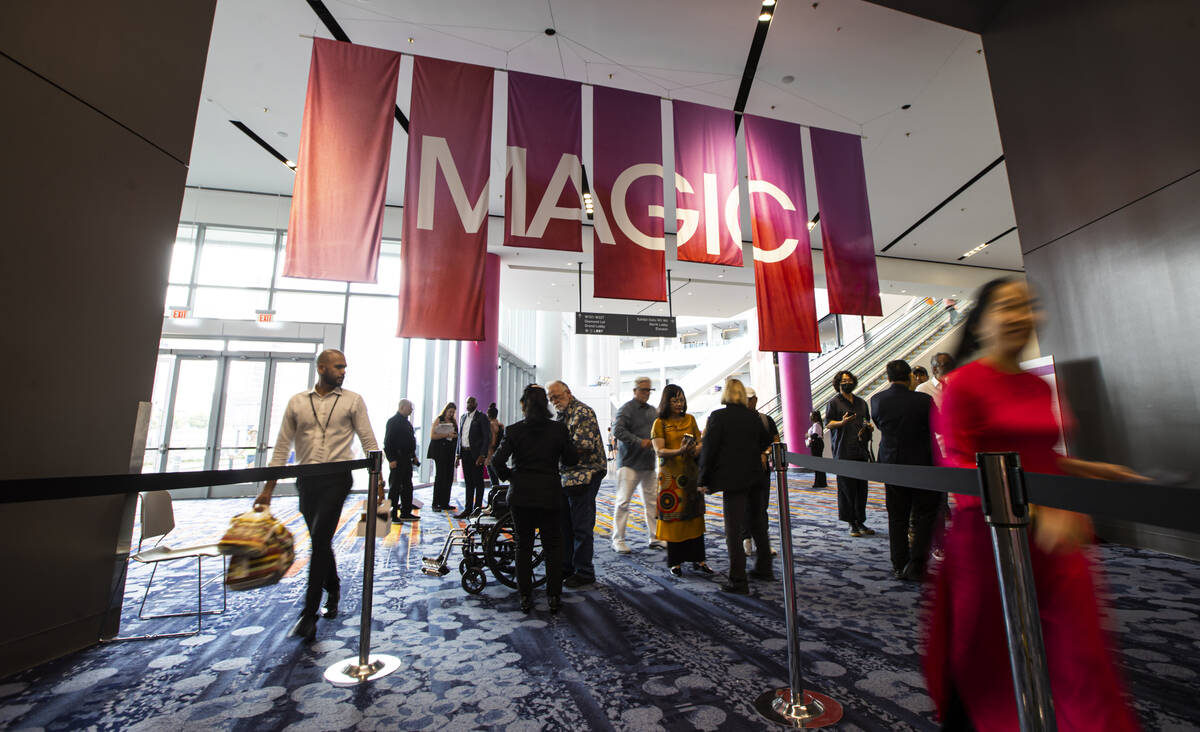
[[261, 550]]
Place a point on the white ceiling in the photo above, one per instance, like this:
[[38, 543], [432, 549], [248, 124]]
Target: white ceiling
[[854, 65]]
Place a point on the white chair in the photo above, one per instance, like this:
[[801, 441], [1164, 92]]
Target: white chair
[[158, 520]]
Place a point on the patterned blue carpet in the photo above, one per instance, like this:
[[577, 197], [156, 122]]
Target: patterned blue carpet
[[641, 650]]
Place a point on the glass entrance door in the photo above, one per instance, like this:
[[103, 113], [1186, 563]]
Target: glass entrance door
[[188, 438], [241, 414]]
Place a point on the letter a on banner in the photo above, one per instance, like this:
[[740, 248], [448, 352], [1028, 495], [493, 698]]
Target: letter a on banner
[[630, 249], [342, 168], [706, 185], [849, 246], [442, 252], [783, 271], [543, 201]]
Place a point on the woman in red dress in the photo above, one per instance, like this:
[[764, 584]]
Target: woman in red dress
[[991, 405]]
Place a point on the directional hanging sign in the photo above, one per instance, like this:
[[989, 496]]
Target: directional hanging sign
[[643, 326]]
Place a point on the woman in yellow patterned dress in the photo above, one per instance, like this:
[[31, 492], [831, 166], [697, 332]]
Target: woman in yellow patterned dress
[[676, 440]]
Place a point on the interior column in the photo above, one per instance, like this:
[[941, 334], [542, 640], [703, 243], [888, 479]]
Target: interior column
[[481, 359]]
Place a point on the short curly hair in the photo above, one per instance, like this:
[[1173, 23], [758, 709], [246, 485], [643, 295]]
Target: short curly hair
[[837, 379]]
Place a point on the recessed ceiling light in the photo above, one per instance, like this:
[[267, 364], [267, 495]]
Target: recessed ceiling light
[[281, 133], [788, 79], [412, 40], [768, 3], [764, 17], [904, 292]]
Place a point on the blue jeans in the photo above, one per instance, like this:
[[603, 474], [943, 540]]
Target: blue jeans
[[579, 524]]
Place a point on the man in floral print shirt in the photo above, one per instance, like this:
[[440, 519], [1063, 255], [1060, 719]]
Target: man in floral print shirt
[[580, 484]]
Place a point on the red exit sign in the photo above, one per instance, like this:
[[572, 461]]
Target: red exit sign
[[265, 316], [179, 313]]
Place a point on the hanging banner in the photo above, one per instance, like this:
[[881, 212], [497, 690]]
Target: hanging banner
[[706, 185], [850, 273], [783, 270], [629, 251], [444, 237], [543, 192], [336, 219]]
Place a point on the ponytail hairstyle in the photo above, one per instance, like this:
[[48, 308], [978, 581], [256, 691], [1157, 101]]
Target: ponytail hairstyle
[[816, 417], [968, 343], [535, 404], [492, 412]]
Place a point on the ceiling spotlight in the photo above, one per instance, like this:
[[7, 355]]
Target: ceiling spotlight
[[291, 164], [764, 17], [412, 40], [812, 224], [768, 3]]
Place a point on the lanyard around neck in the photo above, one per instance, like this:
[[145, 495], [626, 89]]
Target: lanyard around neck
[[328, 417]]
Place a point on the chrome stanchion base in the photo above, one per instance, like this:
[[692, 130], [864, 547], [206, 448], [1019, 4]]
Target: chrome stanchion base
[[818, 710], [348, 672]]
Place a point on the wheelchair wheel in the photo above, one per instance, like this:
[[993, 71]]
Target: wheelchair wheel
[[474, 580], [500, 552]]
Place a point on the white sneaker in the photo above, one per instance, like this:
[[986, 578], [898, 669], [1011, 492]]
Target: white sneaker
[[620, 547], [748, 545], [657, 544]]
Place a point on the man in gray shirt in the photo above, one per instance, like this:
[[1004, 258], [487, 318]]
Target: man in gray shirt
[[635, 464]]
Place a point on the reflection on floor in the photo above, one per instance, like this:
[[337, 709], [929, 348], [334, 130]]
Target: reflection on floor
[[640, 650]]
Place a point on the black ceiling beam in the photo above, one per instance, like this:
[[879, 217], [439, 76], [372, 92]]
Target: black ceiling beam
[[262, 143], [756, 49], [942, 205], [335, 30], [994, 239]]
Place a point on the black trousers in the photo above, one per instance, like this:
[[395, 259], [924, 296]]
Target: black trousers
[[760, 502], [905, 505], [816, 448], [549, 523], [852, 500], [400, 487], [443, 480], [321, 500], [741, 509], [473, 478]]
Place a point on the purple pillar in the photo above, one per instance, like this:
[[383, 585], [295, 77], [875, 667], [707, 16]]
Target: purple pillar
[[481, 359], [796, 393]]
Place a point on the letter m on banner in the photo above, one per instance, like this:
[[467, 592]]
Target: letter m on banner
[[444, 245]]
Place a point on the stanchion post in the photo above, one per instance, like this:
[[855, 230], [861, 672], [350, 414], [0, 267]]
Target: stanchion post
[[793, 706], [1006, 510], [366, 667]]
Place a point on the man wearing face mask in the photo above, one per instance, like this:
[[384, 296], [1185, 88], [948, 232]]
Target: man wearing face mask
[[849, 421]]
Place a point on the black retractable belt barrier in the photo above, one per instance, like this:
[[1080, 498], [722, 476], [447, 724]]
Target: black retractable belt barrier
[[21, 490], [366, 667], [793, 706]]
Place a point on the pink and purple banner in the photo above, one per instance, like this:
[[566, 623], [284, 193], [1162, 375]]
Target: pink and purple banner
[[336, 219], [629, 251], [783, 270], [543, 194], [850, 273], [706, 184], [444, 237]]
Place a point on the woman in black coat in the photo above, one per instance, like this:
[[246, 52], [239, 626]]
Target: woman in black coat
[[731, 464], [849, 421], [536, 445]]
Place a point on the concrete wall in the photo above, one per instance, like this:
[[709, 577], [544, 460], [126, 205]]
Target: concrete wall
[[1098, 105], [100, 107]]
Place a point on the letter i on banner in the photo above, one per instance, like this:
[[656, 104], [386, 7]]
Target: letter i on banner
[[630, 248], [543, 202], [336, 219], [444, 237], [850, 273], [783, 271], [706, 185]]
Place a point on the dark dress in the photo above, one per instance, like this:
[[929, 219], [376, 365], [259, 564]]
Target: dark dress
[[441, 452], [535, 494], [731, 464], [852, 492]]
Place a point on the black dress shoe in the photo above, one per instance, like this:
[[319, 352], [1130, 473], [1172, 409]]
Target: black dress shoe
[[555, 603], [576, 580], [331, 605], [914, 573], [735, 588], [677, 570], [526, 603], [305, 627], [703, 567], [866, 531]]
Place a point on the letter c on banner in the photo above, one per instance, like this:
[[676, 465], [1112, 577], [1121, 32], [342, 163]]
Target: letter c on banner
[[621, 215], [784, 250]]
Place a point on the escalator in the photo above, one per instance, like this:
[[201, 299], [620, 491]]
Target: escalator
[[910, 333]]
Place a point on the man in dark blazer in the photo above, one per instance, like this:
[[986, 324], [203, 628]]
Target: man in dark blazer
[[731, 464], [902, 416], [400, 448], [474, 438]]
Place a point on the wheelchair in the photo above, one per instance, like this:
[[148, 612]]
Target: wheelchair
[[488, 541]]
